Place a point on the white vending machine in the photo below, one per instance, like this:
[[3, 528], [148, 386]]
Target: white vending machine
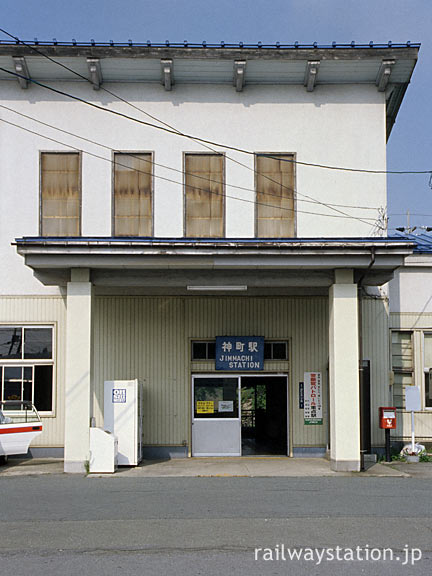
[[123, 418]]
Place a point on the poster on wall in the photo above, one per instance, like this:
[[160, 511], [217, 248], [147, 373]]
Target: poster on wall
[[312, 398]]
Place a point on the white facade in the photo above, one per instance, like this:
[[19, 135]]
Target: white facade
[[336, 125], [341, 120]]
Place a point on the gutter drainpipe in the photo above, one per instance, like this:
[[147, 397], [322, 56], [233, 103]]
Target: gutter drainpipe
[[363, 448]]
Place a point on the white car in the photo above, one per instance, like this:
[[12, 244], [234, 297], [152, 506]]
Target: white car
[[20, 423]]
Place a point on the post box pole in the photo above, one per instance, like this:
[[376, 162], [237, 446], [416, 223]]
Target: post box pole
[[387, 444]]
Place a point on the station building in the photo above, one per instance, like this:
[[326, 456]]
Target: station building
[[208, 219]]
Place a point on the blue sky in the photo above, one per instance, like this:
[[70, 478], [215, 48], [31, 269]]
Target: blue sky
[[410, 144]]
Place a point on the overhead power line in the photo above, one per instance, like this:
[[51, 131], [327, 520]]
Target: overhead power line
[[183, 172], [111, 161], [204, 140], [206, 145], [412, 214], [143, 122]]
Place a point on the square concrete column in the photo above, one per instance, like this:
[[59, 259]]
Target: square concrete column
[[344, 374], [78, 385]]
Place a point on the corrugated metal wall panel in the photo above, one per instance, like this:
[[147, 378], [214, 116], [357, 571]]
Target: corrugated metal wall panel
[[376, 347], [407, 321], [422, 423], [144, 338], [150, 338], [49, 310]]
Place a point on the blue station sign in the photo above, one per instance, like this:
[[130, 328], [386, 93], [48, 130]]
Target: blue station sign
[[239, 353]]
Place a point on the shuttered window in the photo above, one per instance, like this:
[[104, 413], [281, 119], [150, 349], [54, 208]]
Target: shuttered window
[[402, 365], [133, 194], [60, 194], [275, 217], [204, 196]]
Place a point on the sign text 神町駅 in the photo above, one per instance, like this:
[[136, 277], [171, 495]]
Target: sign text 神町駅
[[239, 353]]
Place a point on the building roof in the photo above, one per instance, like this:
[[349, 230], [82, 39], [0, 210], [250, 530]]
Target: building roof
[[422, 242], [189, 259], [388, 66]]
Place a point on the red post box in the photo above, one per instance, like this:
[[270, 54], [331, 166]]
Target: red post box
[[387, 417]]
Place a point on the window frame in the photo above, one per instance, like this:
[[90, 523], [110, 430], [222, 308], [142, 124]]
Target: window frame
[[33, 362], [270, 341], [79, 153], [425, 369], [294, 165], [152, 203], [194, 153], [401, 370]]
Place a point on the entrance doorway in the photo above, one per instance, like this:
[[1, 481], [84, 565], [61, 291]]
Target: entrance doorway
[[239, 415], [264, 415]]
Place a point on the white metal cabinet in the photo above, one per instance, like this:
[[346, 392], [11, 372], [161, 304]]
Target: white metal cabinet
[[123, 418]]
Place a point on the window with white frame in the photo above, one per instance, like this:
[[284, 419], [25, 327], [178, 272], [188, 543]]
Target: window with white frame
[[428, 369], [402, 365], [27, 365]]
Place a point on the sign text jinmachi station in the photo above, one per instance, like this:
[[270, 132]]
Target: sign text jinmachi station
[[239, 353]]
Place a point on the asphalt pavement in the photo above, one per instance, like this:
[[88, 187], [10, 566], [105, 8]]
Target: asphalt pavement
[[55, 524]]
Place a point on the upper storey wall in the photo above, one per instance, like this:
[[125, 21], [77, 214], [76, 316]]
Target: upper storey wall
[[341, 125]]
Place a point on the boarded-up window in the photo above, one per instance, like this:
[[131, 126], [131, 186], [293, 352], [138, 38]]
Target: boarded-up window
[[204, 195], [275, 196], [402, 365], [133, 195], [60, 194]]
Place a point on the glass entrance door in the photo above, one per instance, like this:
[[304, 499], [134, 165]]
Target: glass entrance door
[[216, 423]]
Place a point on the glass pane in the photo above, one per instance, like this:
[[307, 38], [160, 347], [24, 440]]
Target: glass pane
[[428, 350], [27, 391], [12, 383], [211, 350], [43, 389], [267, 351], [10, 342], [403, 379], [38, 343], [279, 351], [428, 390], [398, 396], [402, 353], [199, 351], [216, 398]]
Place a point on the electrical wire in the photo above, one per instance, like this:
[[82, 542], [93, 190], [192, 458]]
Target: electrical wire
[[204, 140], [115, 162], [170, 128], [329, 206], [183, 172], [412, 214], [179, 133], [143, 122]]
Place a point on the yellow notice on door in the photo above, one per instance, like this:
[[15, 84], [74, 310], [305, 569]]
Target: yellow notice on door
[[205, 407]]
